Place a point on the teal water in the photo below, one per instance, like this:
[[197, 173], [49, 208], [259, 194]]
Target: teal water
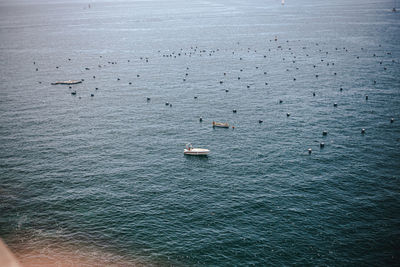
[[105, 176]]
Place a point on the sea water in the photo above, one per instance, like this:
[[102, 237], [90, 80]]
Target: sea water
[[102, 180]]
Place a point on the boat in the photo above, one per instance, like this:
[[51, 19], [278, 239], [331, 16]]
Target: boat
[[189, 150], [220, 124], [67, 82]]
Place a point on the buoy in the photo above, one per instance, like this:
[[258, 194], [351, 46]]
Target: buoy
[[221, 82], [309, 151], [324, 133], [69, 87], [321, 145], [260, 121], [166, 103], [97, 88], [313, 93], [238, 78], [118, 79], [248, 86], [234, 111], [195, 97], [233, 127], [130, 83], [227, 90], [287, 114], [335, 104], [280, 101], [91, 95], [391, 120], [363, 131], [73, 93], [366, 97], [148, 99], [94, 77], [341, 89], [170, 105]]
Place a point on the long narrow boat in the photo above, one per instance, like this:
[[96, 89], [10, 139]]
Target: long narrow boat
[[70, 82], [220, 124]]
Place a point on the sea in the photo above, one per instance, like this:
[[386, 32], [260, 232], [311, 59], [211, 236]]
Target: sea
[[309, 174]]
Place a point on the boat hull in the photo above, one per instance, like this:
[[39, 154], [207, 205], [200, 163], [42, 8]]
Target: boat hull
[[196, 152]]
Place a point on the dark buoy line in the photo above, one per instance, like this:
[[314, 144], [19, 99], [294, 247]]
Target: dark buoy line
[[287, 59]]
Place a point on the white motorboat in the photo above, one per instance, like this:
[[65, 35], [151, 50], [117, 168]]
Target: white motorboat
[[189, 150]]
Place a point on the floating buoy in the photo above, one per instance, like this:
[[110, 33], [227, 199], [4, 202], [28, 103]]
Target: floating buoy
[[166, 103], [227, 90], [260, 121], [94, 77], [148, 99], [221, 82], [69, 87], [391, 120], [287, 114], [321, 145], [130, 83], [313, 93], [366, 97], [248, 86], [335, 104], [97, 88], [309, 151], [118, 79], [341, 89], [280, 101], [195, 97], [234, 111], [324, 133], [201, 119], [170, 105], [233, 127], [363, 131], [91, 95], [73, 93]]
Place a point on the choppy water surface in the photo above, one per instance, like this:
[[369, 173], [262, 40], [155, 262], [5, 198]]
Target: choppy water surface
[[104, 178]]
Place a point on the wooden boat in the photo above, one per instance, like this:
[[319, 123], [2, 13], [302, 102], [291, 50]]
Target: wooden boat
[[189, 150], [70, 82], [220, 124]]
